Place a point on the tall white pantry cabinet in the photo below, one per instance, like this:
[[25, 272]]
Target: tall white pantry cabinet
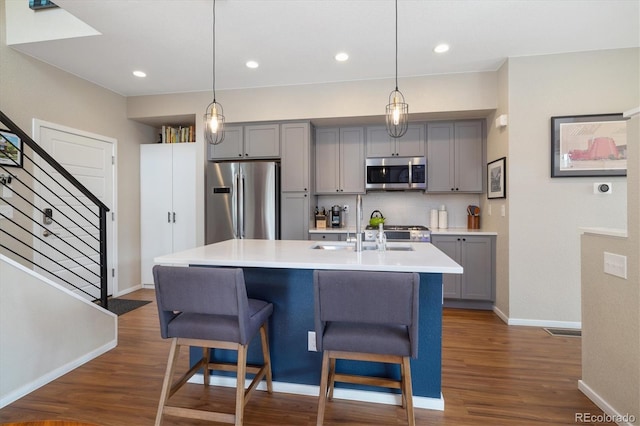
[[167, 201]]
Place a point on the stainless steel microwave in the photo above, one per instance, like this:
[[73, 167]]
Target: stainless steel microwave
[[396, 173]]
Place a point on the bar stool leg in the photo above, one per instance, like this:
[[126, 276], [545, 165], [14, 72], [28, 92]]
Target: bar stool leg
[[264, 336], [407, 390], [323, 389], [168, 376]]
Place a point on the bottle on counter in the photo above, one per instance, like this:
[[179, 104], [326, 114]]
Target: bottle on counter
[[381, 238], [443, 218]]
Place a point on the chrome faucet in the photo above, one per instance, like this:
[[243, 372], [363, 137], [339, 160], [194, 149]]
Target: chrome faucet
[[358, 222]]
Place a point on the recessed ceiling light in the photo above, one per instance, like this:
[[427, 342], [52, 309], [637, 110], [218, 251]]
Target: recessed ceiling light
[[341, 57], [441, 48], [140, 74], [252, 64]]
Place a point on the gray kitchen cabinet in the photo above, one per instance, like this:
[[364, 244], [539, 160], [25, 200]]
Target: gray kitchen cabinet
[[328, 236], [295, 179], [296, 157], [476, 256], [411, 144], [248, 142], [455, 156], [340, 160], [294, 215]]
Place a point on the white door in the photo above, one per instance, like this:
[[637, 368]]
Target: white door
[[74, 228]]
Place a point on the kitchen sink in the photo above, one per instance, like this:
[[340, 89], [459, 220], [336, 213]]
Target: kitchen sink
[[336, 246]]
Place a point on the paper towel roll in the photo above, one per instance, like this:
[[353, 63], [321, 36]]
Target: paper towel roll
[[443, 219], [434, 219]]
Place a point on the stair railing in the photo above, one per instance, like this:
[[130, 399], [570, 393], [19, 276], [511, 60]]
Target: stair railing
[[78, 220]]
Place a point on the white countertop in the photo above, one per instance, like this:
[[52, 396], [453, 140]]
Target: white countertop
[[610, 232], [299, 255]]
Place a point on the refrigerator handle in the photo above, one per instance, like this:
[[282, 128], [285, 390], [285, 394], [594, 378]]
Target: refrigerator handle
[[241, 206], [234, 205]]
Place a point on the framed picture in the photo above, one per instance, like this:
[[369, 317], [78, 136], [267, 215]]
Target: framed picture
[[588, 145], [10, 149], [497, 178], [41, 4]]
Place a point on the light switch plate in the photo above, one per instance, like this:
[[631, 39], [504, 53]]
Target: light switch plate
[[615, 264], [311, 342]]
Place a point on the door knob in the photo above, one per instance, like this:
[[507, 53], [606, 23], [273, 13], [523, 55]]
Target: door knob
[[46, 233]]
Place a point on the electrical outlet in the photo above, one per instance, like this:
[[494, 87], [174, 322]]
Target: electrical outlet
[[311, 342], [345, 208], [615, 264]]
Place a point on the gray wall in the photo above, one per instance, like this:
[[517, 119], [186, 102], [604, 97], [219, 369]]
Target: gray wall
[[545, 213]]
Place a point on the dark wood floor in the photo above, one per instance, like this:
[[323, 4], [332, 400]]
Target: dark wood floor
[[492, 374]]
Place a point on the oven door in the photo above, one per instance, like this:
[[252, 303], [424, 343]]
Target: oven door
[[397, 173]]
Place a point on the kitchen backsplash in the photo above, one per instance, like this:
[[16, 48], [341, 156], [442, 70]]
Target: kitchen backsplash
[[405, 208]]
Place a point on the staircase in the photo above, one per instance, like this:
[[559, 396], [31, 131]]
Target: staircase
[[53, 268]]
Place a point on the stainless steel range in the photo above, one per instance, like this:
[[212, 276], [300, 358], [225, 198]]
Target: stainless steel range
[[413, 233]]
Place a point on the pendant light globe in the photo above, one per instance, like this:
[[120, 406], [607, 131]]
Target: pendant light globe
[[214, 114], [214, 123]]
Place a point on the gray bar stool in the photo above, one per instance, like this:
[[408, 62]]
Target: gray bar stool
[[209, 308], [366, 316]]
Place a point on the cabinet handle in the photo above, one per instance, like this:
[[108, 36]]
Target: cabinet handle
[[239, 155], [174, 217], [168, 217], [246, 154], [305, 195]]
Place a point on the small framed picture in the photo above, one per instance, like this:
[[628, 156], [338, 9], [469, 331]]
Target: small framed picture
[[497, 178], [588, 145], [10, 149]]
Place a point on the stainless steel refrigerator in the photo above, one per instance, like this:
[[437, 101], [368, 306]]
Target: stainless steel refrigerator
[[242, 201]]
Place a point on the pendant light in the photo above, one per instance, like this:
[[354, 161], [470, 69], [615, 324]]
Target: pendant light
[[397, 113], [214, 115]]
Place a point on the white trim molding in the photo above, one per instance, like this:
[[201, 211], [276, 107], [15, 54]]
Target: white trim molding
[[348, 394]]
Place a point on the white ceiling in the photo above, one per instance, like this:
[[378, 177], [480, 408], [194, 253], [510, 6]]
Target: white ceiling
[[295, 40]]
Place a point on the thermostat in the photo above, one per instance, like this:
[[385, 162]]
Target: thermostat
[[602, 188]]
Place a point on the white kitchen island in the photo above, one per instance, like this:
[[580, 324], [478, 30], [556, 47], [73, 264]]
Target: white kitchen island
[[281, 272]]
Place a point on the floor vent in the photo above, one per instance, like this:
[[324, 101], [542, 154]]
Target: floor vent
[[564, 332]]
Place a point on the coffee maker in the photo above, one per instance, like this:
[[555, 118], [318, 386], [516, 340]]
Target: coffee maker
[[335, 216]]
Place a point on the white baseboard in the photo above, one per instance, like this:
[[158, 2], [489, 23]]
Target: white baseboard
[[348, 394], [129, 290], [501, 314], [53, 375], [613, 415], [536, 323]]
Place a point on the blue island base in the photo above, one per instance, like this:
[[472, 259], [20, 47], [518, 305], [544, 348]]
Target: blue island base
[[297, 370]]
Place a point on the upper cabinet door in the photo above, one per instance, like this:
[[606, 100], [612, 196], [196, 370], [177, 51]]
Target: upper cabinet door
[[379, 143], [295, 157], [327, 161], [352, 160], [262, 141], [440, 157], [412, 144], [231, 147], [469, 158]]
